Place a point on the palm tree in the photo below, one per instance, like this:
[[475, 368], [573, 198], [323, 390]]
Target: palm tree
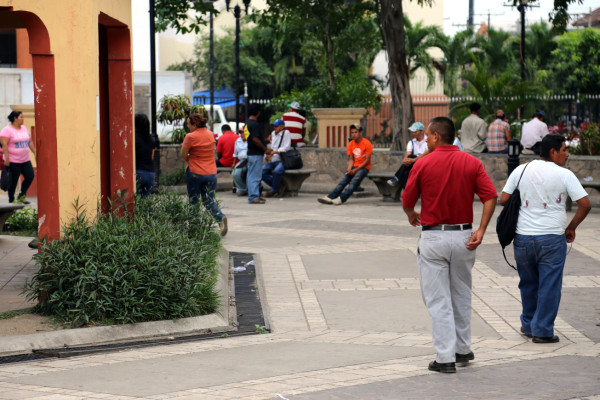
[[499, 56], [506, 91], [419, 40], [457, 51]]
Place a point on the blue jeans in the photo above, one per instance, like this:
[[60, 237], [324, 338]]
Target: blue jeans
[[540, 263], [145, 181], [203, 186], [272, 172], [239, 179], [352, 181], [254, 177]]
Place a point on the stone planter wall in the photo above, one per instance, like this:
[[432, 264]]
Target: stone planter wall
[[331, 163], [170, 158]]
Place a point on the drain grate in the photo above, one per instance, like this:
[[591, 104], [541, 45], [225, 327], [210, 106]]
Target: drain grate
[[248, 308]]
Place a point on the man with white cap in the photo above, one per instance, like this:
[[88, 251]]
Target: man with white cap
[[295, 123], [415, 149]]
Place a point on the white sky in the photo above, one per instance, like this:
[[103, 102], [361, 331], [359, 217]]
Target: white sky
[[457, 12]]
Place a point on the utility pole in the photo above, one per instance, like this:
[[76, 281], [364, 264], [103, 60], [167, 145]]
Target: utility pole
[[489, 14], [471, 13]]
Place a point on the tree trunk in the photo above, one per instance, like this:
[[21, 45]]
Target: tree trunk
[[391, 25], [330, 58]]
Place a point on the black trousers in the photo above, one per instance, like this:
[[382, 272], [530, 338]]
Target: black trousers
[[402, 173], [16, 170]]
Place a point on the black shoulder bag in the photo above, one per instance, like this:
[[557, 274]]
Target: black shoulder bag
[[506, 224], [291, 159]]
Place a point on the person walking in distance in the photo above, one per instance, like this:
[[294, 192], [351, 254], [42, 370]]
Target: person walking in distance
[[446, 181], [542, 235]]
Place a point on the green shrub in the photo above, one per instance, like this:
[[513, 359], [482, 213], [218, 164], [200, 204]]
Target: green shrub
[[157, 262], [23, 221], [173, 178]]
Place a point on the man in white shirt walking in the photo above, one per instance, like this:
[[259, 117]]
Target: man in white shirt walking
[[542, 235], [533, 132]]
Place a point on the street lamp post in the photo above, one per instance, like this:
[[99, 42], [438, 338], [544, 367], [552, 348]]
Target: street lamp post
[[521, 7], [514, 151], [156, 160], [237, 13]]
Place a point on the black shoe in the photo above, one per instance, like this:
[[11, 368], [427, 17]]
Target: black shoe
[[529, 335], [548, 339], [442, 367], [464, 358], [359, 189]]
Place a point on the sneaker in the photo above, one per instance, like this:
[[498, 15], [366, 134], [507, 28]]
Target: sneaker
[[393, 181], [223, 226], [465, 358], [325, 200], [22, 200], [442, 367], [337, 201]]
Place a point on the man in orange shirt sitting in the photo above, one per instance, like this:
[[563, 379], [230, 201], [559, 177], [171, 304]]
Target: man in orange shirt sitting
[[359, 164]]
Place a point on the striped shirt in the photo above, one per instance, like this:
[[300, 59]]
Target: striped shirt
[[294, 123], [497, 137]]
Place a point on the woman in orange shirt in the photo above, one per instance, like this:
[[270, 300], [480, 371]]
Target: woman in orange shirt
[[198, 151]]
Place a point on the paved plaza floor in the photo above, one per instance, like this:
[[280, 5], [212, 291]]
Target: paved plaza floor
[[342, 297]]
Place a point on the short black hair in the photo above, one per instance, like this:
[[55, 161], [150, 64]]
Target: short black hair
[[475, 107], [549, 142], [254, 109], [142, 125], [445, 127], [225, 128], [14, 115]]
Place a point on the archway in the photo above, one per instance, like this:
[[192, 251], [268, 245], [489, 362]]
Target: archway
[[115, 111], [45, 116]]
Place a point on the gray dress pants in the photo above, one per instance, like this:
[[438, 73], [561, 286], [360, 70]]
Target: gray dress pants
[[445, 266]]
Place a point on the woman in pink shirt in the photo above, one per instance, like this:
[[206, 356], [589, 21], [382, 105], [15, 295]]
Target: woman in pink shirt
[[16, 143]]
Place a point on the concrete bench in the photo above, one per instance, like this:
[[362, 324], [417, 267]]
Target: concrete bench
[[585, 184], [6, 211], [224, 169], [389, 193], [293, 179]]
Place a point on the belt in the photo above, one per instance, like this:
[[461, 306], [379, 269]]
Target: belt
[[460, 227]]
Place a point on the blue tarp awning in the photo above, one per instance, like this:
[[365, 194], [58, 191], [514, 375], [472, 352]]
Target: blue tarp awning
[[223, 97]]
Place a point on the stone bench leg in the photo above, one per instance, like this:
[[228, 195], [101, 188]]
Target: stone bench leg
[[293, 183], [387, 192]]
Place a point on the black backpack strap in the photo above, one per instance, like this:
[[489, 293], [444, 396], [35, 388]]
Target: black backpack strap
[[503, 253], [505, 259]]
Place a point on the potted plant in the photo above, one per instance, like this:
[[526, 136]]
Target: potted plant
[[174, 110]]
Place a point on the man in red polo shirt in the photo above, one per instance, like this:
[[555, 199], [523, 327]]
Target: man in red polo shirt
[[226, 147], [447, 180]]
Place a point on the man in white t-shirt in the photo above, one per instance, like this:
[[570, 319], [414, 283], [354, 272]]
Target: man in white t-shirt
[[540, 244], [533, 132], [415, 149]]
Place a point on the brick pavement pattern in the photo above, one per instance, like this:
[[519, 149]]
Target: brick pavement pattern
[[342, 298]]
